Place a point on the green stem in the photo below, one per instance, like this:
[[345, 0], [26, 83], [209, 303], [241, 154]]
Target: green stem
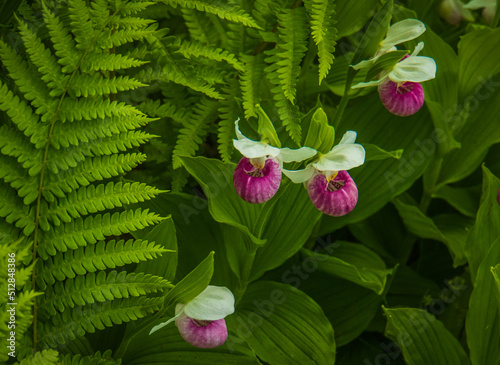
[[431, 177], [343, 102]]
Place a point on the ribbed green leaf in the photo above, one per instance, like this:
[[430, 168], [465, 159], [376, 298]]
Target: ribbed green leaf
[[422, 338]]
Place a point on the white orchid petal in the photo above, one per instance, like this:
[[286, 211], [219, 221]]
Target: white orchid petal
[[252, 149], [161, 325], [348, 137], [400, 32], [299, 176], [478, 4], [368, 84], [414, 69], [301, 154], [215, 302], [342, 157], [239, 135], [417, 49], [366, 63]]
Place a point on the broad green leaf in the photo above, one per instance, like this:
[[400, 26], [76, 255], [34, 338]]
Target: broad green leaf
[[283, 326], [478, 52], [349, 307], [288, 224], [374, 153], [266, 128], [352, 16], [353, 262], [166, 265], [483, 317], [320, 134], [379, 181], [192, 284], [422, 338], [495, 271], [456, 228], [198, 232], [168, 347], [422, 226], [487, 228], [465, 200], [216, 180]]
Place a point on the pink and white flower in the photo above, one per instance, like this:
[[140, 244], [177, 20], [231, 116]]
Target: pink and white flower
[[201, 321], [258, 174], [331, 189]]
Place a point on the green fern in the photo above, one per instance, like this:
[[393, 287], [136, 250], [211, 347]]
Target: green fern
[[66, 143], [323, 32], [229, 111], [52, 357], [217, 8], [251, 82]]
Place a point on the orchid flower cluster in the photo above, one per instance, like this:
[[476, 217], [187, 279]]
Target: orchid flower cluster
[[201, 321], [399, 88], [331, 189]]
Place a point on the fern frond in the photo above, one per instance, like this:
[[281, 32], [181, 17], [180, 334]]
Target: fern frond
[[251, 81], [229, 111], [91, 317], [292, 47], [288, 112], [131, 23], [93, 199], [323, 32], [97, 85], [198, 26], [97, 168], [190, 49], [99, 287], [88, 109], [222, 10], [79, 232], [132, 8], [18, 178], [191, 136], [22, 116], [33, 89], [82, 26], [95, 359], [115, 38], [14, 211], [14, 145], [44, 61], [164, 109], [94, 257], [84, 131], [8, 233], [110, 62], [44, 357]]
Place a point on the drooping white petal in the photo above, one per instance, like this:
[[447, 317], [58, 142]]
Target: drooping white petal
[[161, 325], [348, 137], [365, 63], [299, 176], [370, 83], [239, 135], [478, 4], [342, 157], [417, 49], [414, 69], [252, 149], [402, 31], [300, 154], [215, 302]]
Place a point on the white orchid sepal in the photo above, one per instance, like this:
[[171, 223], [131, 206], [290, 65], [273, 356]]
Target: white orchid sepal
[[479, 4], [398, 33], [214, 303], [412, 69], [258, 149], [344, 156]]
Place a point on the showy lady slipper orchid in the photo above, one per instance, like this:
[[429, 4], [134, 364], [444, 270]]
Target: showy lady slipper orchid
[[489, 8], [399, 88], [399, 32], [258, 174], [331, 189], [201, 321]]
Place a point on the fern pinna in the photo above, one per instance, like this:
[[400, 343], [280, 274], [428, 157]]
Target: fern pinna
[[65, 144]]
